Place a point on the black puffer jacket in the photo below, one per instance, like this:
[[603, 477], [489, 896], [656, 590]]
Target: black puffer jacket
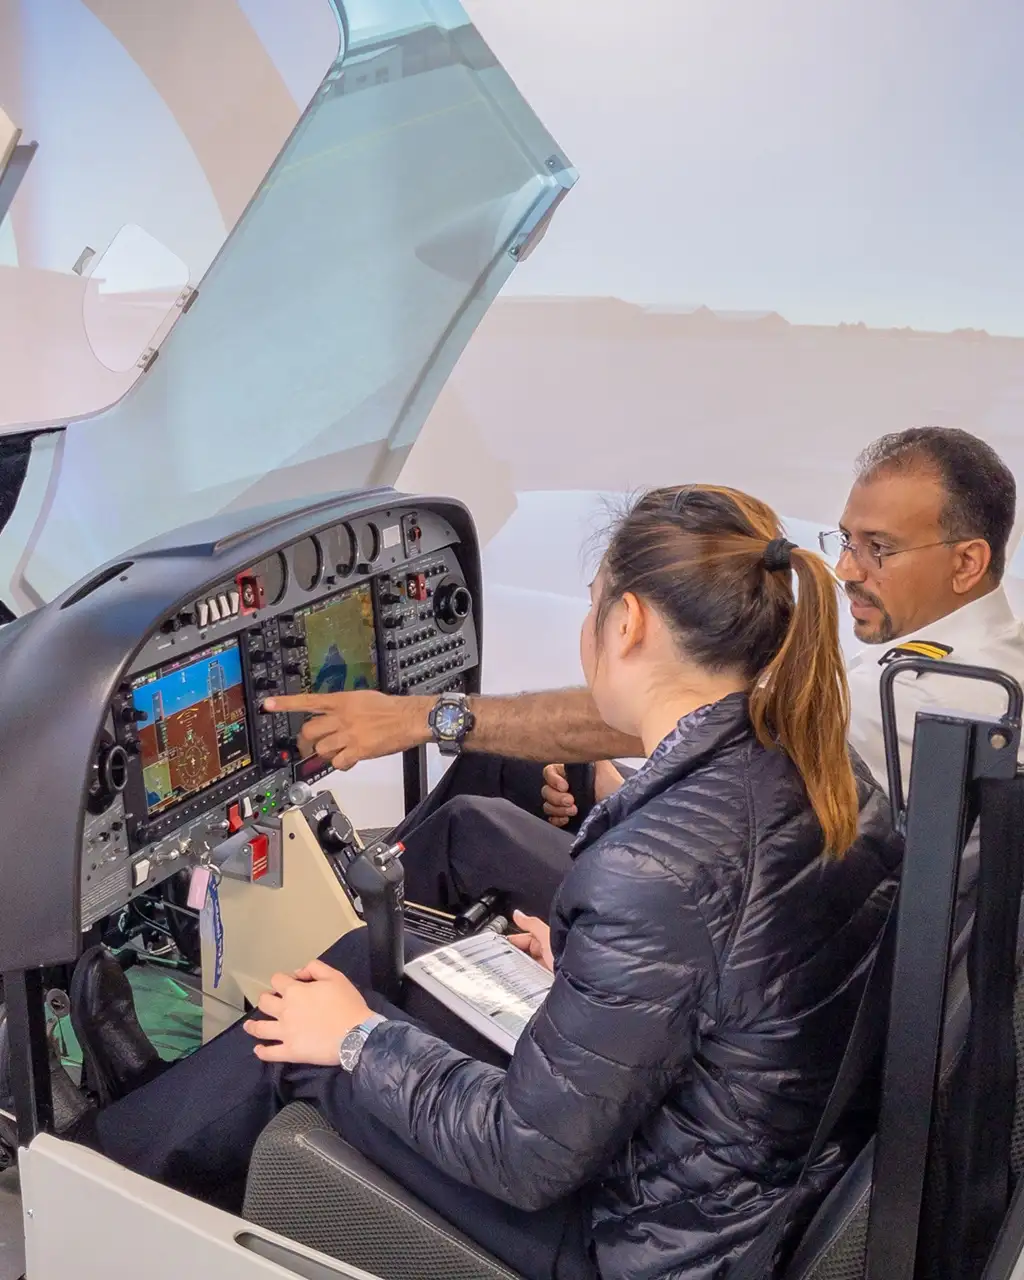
[[709, 964]]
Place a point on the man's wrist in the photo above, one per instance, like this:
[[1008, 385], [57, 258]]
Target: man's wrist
[[417, 709]]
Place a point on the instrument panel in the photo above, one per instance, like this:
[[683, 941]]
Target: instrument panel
[[188, 758]]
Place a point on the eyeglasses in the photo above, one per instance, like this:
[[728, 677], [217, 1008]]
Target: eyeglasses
[[836, 543]]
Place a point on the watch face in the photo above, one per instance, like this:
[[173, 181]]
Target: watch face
[[351, 1047], [449, 721]]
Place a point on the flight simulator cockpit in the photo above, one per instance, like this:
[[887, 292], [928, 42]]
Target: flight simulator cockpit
[[187, 758], [231, 325], [224, 359]]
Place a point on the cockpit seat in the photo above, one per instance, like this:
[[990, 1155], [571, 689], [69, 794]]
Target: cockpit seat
[[305, 1183], [834, 1247]]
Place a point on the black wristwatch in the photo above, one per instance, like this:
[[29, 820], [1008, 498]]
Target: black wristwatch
[[450, 721]]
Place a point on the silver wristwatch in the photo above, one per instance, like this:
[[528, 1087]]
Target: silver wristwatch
[[352, 1044]]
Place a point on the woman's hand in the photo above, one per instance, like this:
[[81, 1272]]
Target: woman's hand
[[309, 1013], [535, 939]]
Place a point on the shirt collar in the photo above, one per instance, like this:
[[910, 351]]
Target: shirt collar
[[983, 615]]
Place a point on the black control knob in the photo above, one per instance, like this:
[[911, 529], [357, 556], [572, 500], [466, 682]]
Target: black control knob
[[453, 603], [114, 769], [133, 715], [259, 655], [293, 669], [389, 597], [172, 624], [335, 832], [392, 622], [265, 684], [109, 775], [291, 642]]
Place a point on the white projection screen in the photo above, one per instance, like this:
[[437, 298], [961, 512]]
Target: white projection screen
[[796, 228]]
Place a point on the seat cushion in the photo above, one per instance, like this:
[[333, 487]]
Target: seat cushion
[[307, 1184]]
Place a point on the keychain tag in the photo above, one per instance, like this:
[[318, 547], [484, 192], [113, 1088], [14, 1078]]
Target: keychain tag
[[198, 887]]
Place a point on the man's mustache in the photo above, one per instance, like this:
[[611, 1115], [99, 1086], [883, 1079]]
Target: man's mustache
[[864, 597]]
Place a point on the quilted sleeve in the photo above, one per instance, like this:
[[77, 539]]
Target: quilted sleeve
[[616, 1031]]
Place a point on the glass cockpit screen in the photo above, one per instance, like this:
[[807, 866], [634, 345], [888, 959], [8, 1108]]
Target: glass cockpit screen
[[341, 644], [195, 731]]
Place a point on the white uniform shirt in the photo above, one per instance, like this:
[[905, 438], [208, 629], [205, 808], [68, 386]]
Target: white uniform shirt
[[984, 633]]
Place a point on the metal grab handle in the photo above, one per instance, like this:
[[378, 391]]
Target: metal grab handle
[[890, 735]]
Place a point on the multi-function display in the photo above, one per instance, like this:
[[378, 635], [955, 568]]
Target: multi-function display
[[192, 724], [341, 643]]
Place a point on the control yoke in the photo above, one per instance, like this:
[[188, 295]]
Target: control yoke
[[376, 878]]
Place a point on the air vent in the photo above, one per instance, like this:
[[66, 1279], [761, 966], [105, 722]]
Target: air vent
[[94, 584]]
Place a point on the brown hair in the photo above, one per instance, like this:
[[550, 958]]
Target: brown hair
[[697, 555]]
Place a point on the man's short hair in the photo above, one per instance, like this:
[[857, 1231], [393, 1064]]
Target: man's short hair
[[981, 493]]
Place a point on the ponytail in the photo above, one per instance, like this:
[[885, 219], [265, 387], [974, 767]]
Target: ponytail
[[714, 563], [801, 702]]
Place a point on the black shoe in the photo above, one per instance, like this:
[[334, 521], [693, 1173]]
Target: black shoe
[[117, 1054], [70, 1104]]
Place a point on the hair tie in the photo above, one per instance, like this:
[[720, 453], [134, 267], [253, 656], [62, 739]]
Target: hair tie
[[777, 555]]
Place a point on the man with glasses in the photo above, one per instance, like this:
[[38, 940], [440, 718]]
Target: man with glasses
[[920, 551]]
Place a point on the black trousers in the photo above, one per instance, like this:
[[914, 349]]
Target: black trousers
[[194, 1128], [483, 828]]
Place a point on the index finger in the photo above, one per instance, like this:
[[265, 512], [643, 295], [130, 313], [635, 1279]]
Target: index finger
[[316, 702]]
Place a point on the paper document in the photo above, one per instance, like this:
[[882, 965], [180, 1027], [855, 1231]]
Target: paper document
[[486, 981]]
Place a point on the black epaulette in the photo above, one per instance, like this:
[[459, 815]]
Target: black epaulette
[[918, 649]]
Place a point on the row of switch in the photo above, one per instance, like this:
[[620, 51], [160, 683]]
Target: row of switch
[[457, 643], [239, 814], [414, 637], [217, 608], [451, 686]]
